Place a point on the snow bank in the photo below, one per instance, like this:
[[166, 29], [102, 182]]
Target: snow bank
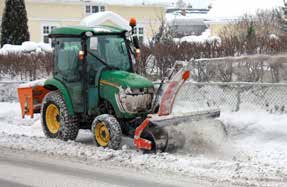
[[203, 38], [11, 121], [26, 47]]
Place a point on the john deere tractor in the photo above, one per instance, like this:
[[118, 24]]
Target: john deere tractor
[[94, 86]]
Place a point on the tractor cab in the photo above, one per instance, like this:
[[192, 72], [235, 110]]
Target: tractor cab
[[96, 67]]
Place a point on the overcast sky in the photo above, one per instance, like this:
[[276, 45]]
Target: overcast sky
[[235, 8]]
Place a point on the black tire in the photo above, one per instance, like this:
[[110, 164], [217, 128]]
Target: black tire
[[69, 126], [114, 130]]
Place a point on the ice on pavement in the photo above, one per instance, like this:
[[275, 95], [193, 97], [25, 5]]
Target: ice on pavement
[[255, 154]]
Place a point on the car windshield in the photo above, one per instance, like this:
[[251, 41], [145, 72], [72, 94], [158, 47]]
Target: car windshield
[[112, 50]]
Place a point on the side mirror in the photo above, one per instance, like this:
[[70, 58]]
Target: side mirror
[[94, 43]]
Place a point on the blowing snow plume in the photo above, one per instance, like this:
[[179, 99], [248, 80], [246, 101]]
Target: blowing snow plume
[[198, 137], [201, 136]]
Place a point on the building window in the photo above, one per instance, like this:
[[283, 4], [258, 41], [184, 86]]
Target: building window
[[140, 33], [88, 9], [46, 29], [95, 9], [91, 9], [103, 8]]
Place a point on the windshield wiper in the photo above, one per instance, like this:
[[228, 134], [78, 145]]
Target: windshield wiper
[[102, 61]]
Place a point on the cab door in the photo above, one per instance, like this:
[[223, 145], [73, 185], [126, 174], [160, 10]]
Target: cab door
[[67, 69]]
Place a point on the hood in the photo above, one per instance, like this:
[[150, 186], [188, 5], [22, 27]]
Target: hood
[[125, 79]]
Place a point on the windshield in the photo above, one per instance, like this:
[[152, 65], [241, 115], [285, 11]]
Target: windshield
[[112, 50]]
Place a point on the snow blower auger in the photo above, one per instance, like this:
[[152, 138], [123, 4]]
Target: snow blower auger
[[151, 135], [94, 86]]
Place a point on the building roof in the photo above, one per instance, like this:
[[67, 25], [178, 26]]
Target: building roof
[[80, 30]]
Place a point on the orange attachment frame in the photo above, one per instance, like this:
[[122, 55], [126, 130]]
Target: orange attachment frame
[[30, 99]]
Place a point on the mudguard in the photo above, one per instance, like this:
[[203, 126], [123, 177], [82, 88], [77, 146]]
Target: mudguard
[[53, 84]]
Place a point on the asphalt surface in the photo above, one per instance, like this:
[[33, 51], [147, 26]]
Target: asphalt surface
[[10, 184], [21, 169]]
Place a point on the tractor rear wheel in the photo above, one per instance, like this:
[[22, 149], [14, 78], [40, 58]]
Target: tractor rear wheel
[[56, 121], [107, 131]]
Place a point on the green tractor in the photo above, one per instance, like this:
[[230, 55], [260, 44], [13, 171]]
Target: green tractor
[[94, 86]]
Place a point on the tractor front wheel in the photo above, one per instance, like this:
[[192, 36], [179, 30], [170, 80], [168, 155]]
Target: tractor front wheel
[[107, 131], [56, 121]]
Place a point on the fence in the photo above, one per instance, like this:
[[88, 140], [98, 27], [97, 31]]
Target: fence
[[252, 68], [235, 96]]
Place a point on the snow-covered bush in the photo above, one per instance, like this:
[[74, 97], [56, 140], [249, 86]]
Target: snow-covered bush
[[28, 61]]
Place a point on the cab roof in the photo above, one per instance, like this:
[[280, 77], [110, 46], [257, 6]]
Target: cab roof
[[80, 30]]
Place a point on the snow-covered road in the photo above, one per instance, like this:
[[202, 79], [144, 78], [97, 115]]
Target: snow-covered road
[[22, 169], [255, 153]]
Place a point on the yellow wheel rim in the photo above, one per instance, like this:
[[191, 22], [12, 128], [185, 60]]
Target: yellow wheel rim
[[52, 118], [102, 134]]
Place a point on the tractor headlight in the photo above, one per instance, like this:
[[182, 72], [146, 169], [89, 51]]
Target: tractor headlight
[[136, 91], [134, 100]]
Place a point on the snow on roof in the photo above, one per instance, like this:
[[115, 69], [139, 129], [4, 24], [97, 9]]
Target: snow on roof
[[232, 9], [189, 19], [101, 17]]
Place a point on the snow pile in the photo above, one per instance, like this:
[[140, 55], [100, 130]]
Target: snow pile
[[26, 47], [103, 17], [11, 121], [203, 38]]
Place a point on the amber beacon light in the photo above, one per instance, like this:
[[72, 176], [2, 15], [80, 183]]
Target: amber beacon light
[[133, 22]]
